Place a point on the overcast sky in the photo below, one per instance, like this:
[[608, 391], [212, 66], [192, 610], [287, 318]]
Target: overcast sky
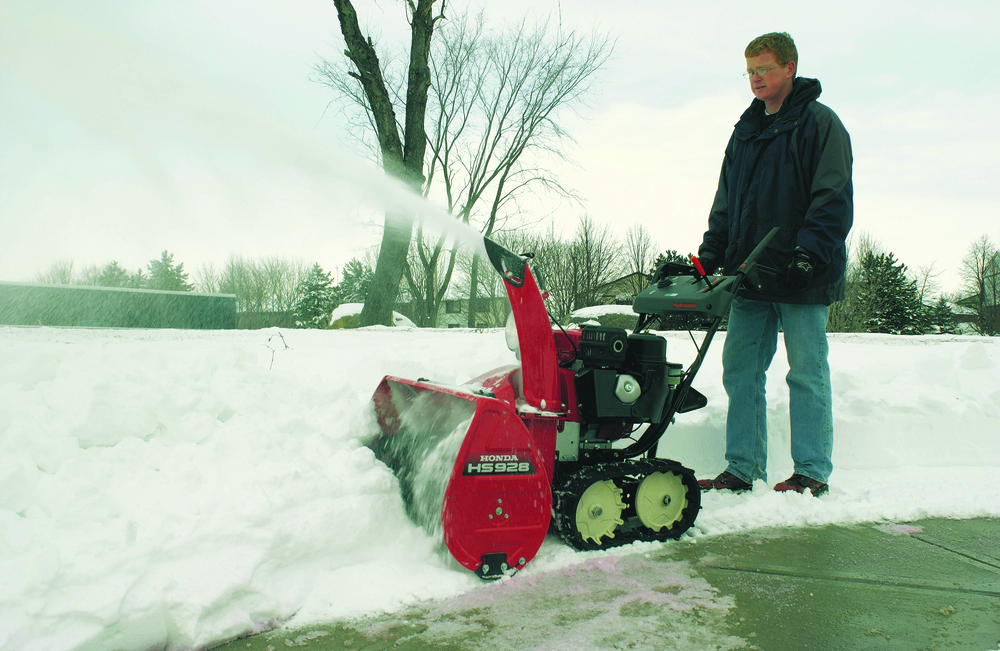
[[129, 127]]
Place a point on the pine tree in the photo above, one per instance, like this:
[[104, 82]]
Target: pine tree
[[890, 300], [138, 280], [113, 275], [680, 321], [353, 287], [670, 255], [316, 303], [941, 316], [164, 275]]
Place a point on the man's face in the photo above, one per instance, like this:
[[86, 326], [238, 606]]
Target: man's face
[[776, 83]]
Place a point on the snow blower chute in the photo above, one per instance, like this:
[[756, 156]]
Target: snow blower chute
[[566, 439]]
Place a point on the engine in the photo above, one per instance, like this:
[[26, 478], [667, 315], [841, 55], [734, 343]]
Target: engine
[[623, 377]]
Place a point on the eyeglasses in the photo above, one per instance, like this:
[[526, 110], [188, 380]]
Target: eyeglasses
[[760, 72]]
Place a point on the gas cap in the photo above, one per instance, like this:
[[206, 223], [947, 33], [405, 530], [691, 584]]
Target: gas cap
[[627, 389]]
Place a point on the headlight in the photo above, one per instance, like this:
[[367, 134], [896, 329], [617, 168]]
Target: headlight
[[510, 333]]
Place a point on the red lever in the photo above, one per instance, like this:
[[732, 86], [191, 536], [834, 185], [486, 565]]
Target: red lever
[[697, 265], [701, 271]]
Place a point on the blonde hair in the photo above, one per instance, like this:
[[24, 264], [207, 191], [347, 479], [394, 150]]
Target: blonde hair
[[780, 44]]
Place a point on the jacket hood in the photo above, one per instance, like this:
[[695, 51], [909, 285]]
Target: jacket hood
[[804, 90]]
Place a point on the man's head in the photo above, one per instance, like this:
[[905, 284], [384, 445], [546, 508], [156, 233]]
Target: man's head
[[780, 44], [771, 64]]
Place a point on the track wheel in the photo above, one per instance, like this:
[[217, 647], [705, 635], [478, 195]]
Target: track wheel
[[660, 500], [598, 513]]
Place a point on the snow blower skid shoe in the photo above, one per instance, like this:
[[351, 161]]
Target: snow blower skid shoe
[[572, 431]]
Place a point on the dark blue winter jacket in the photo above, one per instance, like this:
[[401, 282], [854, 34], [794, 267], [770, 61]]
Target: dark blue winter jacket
[[794, 174]]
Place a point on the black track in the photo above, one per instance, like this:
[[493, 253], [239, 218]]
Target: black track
[[571, 482]]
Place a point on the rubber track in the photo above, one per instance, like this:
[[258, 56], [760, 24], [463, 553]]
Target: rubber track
[[627, 475]]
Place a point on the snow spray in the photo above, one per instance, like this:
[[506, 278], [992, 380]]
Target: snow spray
[[128, 96], [422, 453]]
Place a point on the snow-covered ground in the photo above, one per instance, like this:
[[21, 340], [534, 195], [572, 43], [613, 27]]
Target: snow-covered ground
[[176, 488]]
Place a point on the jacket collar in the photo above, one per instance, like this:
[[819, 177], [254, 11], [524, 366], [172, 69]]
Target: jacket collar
[[804, 90]]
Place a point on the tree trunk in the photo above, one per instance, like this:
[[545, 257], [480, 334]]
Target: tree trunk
[[430, 281], [384, 287], [473, 290], [402, 159]]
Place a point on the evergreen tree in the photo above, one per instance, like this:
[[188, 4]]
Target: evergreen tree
[[680, 321], [165, 275], [316, 299], [891, 300], [112, 275], [353, 287], [138, 280], [940, 315], [670, 255]]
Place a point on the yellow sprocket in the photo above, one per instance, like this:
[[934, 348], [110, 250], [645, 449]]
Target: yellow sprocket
[[660, 500], [598, 513]]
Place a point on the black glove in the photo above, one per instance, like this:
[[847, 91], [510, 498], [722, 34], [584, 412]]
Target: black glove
[[800, 270], [708, 263]]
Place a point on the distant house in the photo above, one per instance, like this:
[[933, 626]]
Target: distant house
[[981, 312], [453, 312], [992, 284], [964, 316], [991, 287]]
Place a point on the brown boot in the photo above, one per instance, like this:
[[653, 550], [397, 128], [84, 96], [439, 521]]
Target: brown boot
[[727, 481], [799, 484]]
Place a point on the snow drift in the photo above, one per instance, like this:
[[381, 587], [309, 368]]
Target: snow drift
[[172, 489]]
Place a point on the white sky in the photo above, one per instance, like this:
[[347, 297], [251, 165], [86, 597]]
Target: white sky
[[128, 128]]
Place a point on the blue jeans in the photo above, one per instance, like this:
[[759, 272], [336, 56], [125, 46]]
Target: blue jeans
[[751, 342]]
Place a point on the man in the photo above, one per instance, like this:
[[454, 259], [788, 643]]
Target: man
[[788, 164]]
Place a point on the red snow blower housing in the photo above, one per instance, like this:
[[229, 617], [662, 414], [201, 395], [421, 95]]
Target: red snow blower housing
[[566, 439]]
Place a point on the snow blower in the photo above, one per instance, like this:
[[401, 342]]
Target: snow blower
[[566, 439]]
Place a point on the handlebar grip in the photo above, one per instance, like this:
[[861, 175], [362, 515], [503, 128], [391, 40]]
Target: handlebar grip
[[751, 260]]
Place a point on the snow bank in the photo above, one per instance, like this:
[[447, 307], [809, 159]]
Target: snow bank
[[351, 309], [174, 489], [599, 310]]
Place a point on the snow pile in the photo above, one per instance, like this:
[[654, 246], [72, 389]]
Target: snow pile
[[353, 309], [600, 310], [174, 489]]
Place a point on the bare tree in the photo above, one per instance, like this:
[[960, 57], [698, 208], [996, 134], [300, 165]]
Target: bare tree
[[453, 90], [266, 290], [108, 275], [519, 81], [927, 282], [207, 278], [493, 303], [495, 99], [58, 273], [401, 147], [639, 252], [89, 275], [576, 270], [979, 271], [428, 271], [596, 255]]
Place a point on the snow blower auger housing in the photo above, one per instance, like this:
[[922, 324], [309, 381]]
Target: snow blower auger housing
[[549, 443]]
